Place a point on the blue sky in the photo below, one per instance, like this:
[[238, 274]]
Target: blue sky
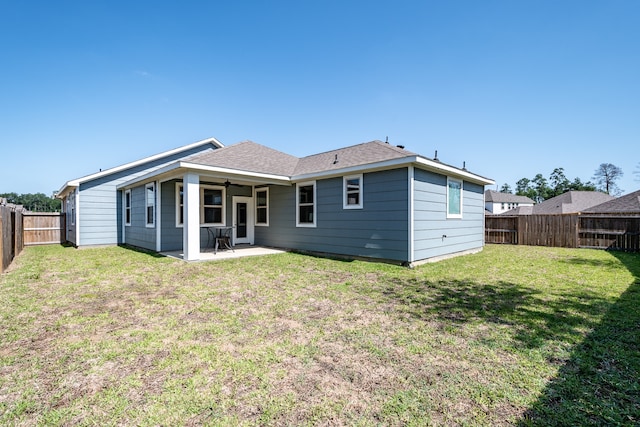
[[512, 88]]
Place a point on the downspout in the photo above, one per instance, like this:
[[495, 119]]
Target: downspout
[[411, 227], [158, 217], [77, 218]]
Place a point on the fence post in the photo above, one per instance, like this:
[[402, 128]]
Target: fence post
[[576, 232], [1, 240], [520, 227]]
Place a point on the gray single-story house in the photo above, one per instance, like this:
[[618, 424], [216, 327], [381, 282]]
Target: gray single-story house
[[373, 200]]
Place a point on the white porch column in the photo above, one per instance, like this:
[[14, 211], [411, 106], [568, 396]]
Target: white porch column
[[191, 225]]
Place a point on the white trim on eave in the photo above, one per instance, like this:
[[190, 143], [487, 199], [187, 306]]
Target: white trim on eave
[[352, 170], [453, 171], [78, 181], [172, 169], [408, 161]]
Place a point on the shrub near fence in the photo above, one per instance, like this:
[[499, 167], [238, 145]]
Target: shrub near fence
[[567, 231]]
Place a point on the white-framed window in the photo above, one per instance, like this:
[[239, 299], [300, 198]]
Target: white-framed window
[[71, 207], [127, 207], [212, 205], [306, 204], [262, 206], [179, 204], [150, 202], [454, 198], [352, 192]]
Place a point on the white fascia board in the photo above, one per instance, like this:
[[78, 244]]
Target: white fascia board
[[171, 171], [76, 182], [237, 172], [371, 167], [452, 171], [68, 187], [150, 176], [434, 166]]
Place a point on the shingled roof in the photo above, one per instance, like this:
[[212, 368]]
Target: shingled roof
[[629, 203], [498, 197], [248, 156], [253, 157], [569, 202], [356, 155]]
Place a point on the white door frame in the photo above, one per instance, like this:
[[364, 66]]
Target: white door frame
[[250, 222]]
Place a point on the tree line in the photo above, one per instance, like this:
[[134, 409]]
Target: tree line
[[38, 202], [540, 188]]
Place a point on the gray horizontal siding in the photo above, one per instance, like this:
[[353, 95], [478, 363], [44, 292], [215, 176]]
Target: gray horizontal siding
[[379, 230], [171, 239], [138, 234], [434, 233], [101, 205], [172, 235]]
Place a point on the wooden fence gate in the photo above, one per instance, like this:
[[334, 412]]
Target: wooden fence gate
[[43, 228]]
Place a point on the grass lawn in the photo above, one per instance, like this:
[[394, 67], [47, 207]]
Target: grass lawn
[[510, 336]]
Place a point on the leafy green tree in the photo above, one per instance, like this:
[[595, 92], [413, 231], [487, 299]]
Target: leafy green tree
[[540, 189], [525, 188], [543, 191], [559, 182], [606, 176], [578, 185], [506, 188], [37, 202]]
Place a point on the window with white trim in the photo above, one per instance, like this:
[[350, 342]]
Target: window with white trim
[[306, 204], [262, 206], [352, 192], [454, 198], [212, 206], [150, 202], [127, 207]]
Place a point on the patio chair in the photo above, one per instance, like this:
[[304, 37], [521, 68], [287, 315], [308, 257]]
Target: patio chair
[[223, 239]]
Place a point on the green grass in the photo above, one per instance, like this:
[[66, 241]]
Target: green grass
[[509, 336]]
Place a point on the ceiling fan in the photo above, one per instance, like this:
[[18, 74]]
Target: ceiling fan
[[227, 184]]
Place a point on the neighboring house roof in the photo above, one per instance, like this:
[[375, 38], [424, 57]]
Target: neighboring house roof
[[498, 197], [629, 203], [520, 210], [76, 182], [569, 202]]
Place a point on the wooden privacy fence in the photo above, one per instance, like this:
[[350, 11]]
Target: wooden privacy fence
[[11, 242], [20, 228], [610, 232], [43, 228], [567, 231]]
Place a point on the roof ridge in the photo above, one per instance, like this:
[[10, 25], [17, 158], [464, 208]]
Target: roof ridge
[[375, 141]]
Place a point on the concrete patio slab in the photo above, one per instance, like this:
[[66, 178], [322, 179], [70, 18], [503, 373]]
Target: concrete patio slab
[[239, 251]]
